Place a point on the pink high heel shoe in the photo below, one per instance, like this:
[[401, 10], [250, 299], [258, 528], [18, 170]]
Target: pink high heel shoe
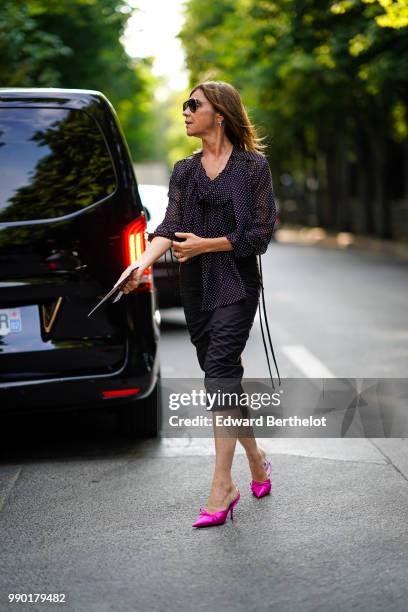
[[260, 489], [217, 518]]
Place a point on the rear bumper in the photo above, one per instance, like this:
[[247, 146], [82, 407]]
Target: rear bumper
[[81, 393], [140, 371]]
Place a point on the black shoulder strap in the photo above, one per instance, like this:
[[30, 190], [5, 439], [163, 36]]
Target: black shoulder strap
[[267, 327], [247, 156]]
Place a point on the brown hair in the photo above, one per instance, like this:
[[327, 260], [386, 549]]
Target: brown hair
[[227, 101]]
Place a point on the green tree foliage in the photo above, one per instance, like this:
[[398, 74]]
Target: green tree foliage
[[327, 83], [177, 143], [77, 44]]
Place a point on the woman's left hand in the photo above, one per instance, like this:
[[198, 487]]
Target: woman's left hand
[[193, 245]]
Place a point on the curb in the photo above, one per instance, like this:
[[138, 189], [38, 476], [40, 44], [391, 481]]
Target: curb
[[312, 236]]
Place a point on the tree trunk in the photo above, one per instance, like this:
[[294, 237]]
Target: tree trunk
[[365, 192], [381, 204]]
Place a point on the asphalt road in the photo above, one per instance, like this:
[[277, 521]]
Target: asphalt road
[[107, 521], [344, 313]]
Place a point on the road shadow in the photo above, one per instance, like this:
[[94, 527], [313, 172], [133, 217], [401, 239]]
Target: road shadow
[[73, 434]]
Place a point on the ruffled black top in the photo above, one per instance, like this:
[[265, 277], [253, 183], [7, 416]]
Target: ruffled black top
[[239, 204]]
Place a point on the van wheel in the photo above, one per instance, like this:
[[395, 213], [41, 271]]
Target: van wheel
[[141, 418]]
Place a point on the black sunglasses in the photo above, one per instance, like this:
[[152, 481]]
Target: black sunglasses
[[192, 103]]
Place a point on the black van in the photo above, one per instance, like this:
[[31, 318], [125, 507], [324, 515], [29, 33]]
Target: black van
[[71, 220]]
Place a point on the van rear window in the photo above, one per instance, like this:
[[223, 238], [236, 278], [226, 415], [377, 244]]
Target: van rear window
[[53, 162]]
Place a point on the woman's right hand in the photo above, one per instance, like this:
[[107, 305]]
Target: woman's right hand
[[135, 279], [154, 251]]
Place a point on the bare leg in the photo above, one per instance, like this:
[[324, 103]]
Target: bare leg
[[223, 490], [255, 455]]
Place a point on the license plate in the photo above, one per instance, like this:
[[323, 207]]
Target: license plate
[[10, 321]]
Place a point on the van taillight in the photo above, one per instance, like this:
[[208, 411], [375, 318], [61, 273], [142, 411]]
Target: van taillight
[[135, 241]]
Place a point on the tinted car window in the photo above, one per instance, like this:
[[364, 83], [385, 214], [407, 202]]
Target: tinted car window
[[53, 162]]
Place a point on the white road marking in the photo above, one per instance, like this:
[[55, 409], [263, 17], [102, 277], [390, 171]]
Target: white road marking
[[306, 362]]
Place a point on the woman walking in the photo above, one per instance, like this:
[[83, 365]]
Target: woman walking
[[220, 216]]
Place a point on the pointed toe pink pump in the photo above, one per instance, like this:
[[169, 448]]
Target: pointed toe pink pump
[[206, 519], [260, 489]]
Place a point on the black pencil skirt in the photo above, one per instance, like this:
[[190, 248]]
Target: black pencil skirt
[[220, 335]]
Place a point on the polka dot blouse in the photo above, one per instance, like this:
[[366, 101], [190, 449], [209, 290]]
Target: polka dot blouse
[[239, 204]]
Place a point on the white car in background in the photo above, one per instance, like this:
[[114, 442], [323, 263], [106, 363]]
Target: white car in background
[[166, 276]]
